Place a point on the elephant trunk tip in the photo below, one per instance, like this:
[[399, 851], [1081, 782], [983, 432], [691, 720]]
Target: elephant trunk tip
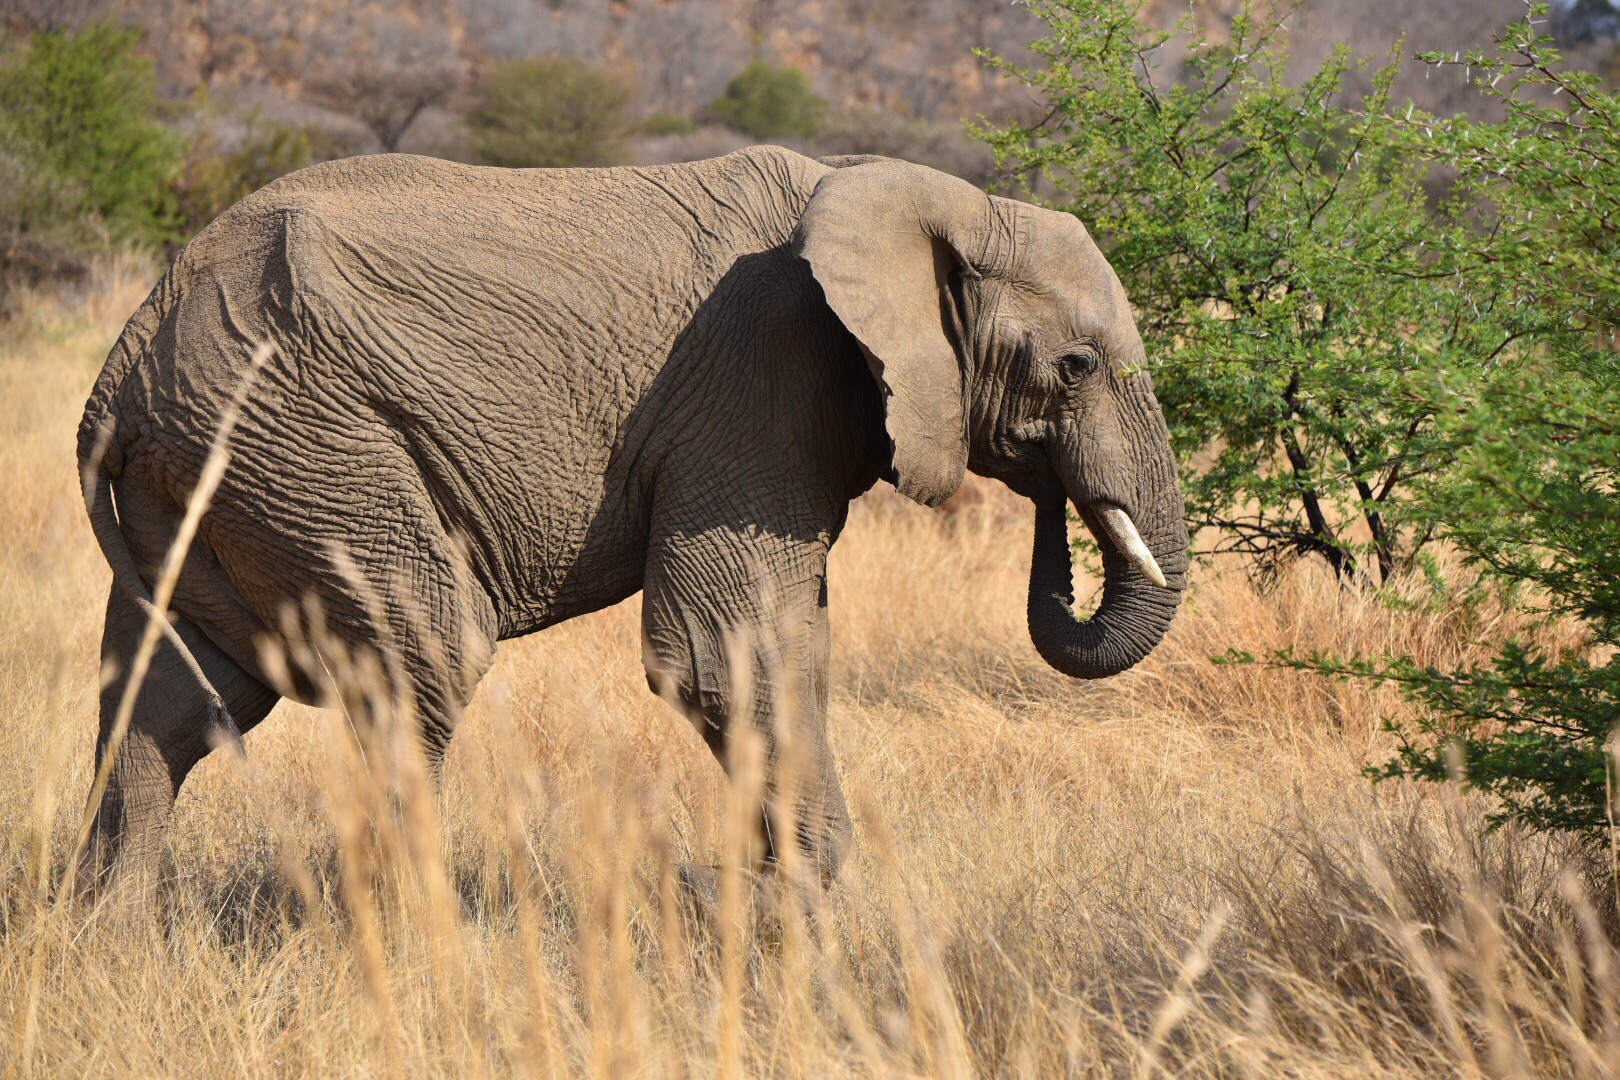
[[1139, 598]]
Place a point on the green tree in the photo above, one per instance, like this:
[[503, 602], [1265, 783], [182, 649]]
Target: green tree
[[548, 113], [80, 108], [1270, 236], [768, 100], [1534, 496]]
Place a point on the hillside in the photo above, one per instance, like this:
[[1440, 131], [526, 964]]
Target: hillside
[[882, 65]]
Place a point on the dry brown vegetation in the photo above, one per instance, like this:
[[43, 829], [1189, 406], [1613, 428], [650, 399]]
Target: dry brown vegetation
[[1176, 871]]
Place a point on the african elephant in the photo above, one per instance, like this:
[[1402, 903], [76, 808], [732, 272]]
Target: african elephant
[[510, 397]]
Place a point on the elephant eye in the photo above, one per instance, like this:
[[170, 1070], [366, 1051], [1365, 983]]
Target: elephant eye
[[1077, 365]]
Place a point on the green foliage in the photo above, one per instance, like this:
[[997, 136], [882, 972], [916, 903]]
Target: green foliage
[[40, 223], [1275, 242], [1534, 496], [667, 124], [769, 100], [548, 113], [79, 112], [1531, 490]]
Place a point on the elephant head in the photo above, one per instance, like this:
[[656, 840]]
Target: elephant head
[[1003, 342]]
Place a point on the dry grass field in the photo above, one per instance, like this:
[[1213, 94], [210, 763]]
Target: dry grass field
[[1176, 872]]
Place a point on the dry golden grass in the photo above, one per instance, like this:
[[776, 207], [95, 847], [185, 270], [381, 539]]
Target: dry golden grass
[[1178, 871]]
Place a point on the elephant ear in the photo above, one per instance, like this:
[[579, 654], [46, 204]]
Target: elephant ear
[[882, 238]]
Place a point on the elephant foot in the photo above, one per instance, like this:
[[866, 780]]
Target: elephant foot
[[701, 897], [767, 901], [700, 884]]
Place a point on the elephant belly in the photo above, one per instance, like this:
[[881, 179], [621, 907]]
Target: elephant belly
[[539, 502], [545, 549]]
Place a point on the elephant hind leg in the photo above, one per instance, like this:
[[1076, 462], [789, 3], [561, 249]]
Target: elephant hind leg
[[376, 629], [169, 732]]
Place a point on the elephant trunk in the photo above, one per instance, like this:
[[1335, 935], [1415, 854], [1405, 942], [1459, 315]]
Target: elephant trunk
[[1136, 609]]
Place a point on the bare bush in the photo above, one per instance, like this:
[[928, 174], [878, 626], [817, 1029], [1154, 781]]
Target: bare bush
[[31, 15], [407, 66], [684, 54], [514, 29]]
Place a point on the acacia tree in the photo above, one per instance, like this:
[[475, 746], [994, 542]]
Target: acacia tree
[[1277, 242], [385, 72], [1334, 344], [1533, 498]]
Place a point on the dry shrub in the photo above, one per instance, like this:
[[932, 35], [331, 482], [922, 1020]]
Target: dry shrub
[[1179, 870]]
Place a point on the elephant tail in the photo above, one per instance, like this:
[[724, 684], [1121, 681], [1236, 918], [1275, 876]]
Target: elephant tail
[[100, 462], [98, 500]]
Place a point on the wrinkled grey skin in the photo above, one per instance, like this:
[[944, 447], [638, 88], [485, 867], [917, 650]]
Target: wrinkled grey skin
[[516, 396]]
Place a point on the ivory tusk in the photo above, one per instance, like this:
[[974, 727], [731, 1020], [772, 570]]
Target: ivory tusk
[[1122, 531]]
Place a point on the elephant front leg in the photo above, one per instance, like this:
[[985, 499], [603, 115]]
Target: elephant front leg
[[739, 641]]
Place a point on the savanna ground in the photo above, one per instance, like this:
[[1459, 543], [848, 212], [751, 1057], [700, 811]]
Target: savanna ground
[[1180, 870]]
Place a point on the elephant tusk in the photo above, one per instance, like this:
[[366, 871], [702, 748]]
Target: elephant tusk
[[1122, 531]]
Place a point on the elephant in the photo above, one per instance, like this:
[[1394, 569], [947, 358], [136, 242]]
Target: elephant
[[495, 399]]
